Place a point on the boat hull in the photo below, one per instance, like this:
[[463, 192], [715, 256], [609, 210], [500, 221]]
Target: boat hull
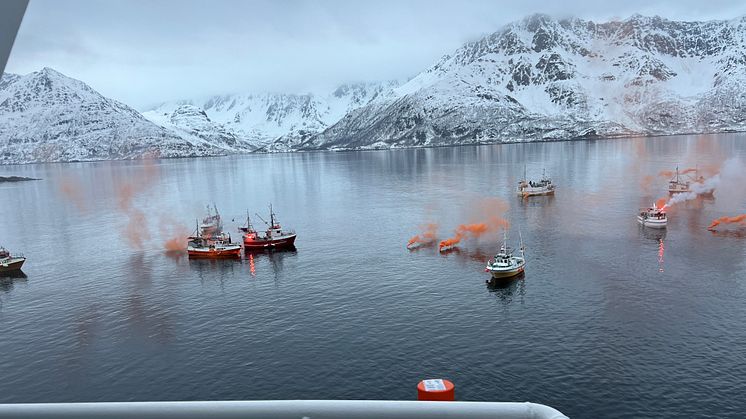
[[526, 194], [232, 252], [652, 223], [274, 243], [505, 274], [12, 264]]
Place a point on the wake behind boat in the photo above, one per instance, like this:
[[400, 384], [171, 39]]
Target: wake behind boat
[[272, 238], [505, 265]]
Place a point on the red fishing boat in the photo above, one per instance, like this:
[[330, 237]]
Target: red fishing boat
[[209, 240], [273, 238]]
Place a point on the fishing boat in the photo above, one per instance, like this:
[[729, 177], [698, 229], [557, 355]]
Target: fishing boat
[[209, 240], [528, 188], [215, 247], [653, 217], [505, 265], [678, 185], [272, 238], [10, 263]]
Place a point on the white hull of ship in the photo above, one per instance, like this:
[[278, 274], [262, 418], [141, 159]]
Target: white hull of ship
[[652, 223]]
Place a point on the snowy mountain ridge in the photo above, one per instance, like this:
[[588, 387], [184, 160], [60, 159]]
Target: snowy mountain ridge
[[536, 79], [46, 116], [264, 118], [543, 78]]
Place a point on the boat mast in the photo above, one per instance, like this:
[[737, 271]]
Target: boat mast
[[271, 216], [523, 254]]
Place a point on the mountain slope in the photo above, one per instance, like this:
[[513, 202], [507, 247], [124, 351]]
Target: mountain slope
[[46, 116], [277, 121], [543, 78]]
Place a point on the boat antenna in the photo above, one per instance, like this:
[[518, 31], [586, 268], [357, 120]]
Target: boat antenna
[[271, 216]]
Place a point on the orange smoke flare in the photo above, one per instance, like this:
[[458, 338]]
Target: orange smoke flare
[[428, 236], [738, 219], [661, 203]]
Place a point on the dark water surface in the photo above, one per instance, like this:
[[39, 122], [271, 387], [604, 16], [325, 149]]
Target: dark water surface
[[598, 327]]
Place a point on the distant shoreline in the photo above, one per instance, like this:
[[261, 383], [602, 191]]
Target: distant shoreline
[[630, 136], [15, 179]]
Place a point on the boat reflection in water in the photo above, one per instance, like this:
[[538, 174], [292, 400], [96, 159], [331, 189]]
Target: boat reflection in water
[[508, 291], [659, 236], [258, 259]]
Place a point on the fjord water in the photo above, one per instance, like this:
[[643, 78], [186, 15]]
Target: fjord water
[[601, 325]]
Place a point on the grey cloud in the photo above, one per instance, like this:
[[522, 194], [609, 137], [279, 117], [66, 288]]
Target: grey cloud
[[143, 52]]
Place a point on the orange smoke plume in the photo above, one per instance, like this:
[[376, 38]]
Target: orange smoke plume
[[72, 190], [666, 173], [489, 215], [646, 182], [428, 236], [177, 234], [463, 231], [738, 219], [136, 230], [661, 203]]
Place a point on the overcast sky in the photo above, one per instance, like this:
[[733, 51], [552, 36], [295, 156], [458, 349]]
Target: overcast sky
[[146, 51]]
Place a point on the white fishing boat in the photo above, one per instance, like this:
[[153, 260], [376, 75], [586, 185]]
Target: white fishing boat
[[653, 217], [505, 265], [678, 185], [544, 186]]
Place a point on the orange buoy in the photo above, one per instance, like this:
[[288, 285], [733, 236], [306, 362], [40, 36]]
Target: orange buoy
[[437, 390]]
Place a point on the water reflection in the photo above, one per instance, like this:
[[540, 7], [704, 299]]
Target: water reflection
[[149, 320], [463, 254], [507, 290], [275, 259], [536, 201], [19, 274], [732, 234]]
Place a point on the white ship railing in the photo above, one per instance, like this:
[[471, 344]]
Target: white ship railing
[[282, 409]]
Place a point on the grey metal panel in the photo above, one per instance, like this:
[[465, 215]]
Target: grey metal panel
[[11, 14], [282, 409]]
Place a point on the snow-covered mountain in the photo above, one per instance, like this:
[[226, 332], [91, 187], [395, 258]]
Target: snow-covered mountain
[[544, 78], [536, 79], [47, 116], [277, 122]]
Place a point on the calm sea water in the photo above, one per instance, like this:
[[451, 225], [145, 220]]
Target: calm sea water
[[602, 324]]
